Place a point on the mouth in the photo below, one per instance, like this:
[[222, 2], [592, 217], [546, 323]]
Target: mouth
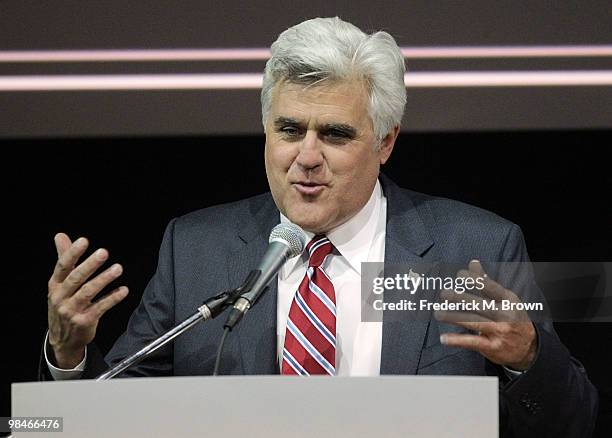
[[308, 187]]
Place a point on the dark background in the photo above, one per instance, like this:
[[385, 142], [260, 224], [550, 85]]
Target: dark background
[[121, 192]]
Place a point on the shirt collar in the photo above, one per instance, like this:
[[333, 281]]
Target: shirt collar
[[352, 239]]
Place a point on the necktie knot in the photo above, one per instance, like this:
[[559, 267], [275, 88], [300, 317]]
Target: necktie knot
[[318, 248]]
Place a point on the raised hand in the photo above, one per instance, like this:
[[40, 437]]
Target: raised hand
[[505, 337], [72, 314]]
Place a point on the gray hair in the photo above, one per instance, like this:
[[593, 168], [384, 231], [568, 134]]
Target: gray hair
[[331, 49]]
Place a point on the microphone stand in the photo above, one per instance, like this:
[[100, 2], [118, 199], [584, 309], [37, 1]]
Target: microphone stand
[[210, 309]]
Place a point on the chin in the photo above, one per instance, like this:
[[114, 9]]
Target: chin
[[315, 223], [307, 224]]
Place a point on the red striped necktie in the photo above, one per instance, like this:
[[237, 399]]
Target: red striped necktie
[[310, 338]]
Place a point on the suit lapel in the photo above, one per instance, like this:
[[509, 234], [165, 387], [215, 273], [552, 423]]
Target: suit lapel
[[406, 243], [257, 331]]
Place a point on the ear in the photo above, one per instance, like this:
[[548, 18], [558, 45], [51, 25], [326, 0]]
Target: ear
[[387, 144]]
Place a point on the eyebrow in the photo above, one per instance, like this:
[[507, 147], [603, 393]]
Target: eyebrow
[[288, 121], [343, 127], [283, 121]]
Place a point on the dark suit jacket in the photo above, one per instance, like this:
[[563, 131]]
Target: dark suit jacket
[[213, 249]]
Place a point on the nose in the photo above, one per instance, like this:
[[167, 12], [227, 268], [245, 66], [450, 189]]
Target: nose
[[310, 155]]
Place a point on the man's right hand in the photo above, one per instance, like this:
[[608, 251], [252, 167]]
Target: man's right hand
[[73, 317]]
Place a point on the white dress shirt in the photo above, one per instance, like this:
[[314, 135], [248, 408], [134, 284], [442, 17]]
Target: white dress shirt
[[360, 239]]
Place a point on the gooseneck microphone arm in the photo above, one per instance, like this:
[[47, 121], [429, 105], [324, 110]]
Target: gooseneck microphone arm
[[211, 308]]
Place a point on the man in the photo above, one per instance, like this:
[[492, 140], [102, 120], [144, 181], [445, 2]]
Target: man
[[332, 102]]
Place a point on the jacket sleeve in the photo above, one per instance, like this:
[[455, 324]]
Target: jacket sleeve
[[555, 396]]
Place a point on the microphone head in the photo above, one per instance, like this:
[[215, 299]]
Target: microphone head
[[291, 235]]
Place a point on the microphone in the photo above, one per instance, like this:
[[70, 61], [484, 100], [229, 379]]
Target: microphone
[[286, 241]]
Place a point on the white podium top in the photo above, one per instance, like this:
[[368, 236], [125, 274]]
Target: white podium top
[[265, 406]]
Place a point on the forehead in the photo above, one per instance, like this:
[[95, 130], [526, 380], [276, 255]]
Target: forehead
[[344, 102]]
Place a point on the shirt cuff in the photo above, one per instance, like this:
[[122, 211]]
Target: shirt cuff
[[512, 373], [62, 374]]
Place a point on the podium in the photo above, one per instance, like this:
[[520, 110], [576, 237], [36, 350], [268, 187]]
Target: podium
[[265, 406]]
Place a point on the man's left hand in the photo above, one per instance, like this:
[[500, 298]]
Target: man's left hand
[[505, 337]]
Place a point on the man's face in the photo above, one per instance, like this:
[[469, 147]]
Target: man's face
[[321, 156]]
